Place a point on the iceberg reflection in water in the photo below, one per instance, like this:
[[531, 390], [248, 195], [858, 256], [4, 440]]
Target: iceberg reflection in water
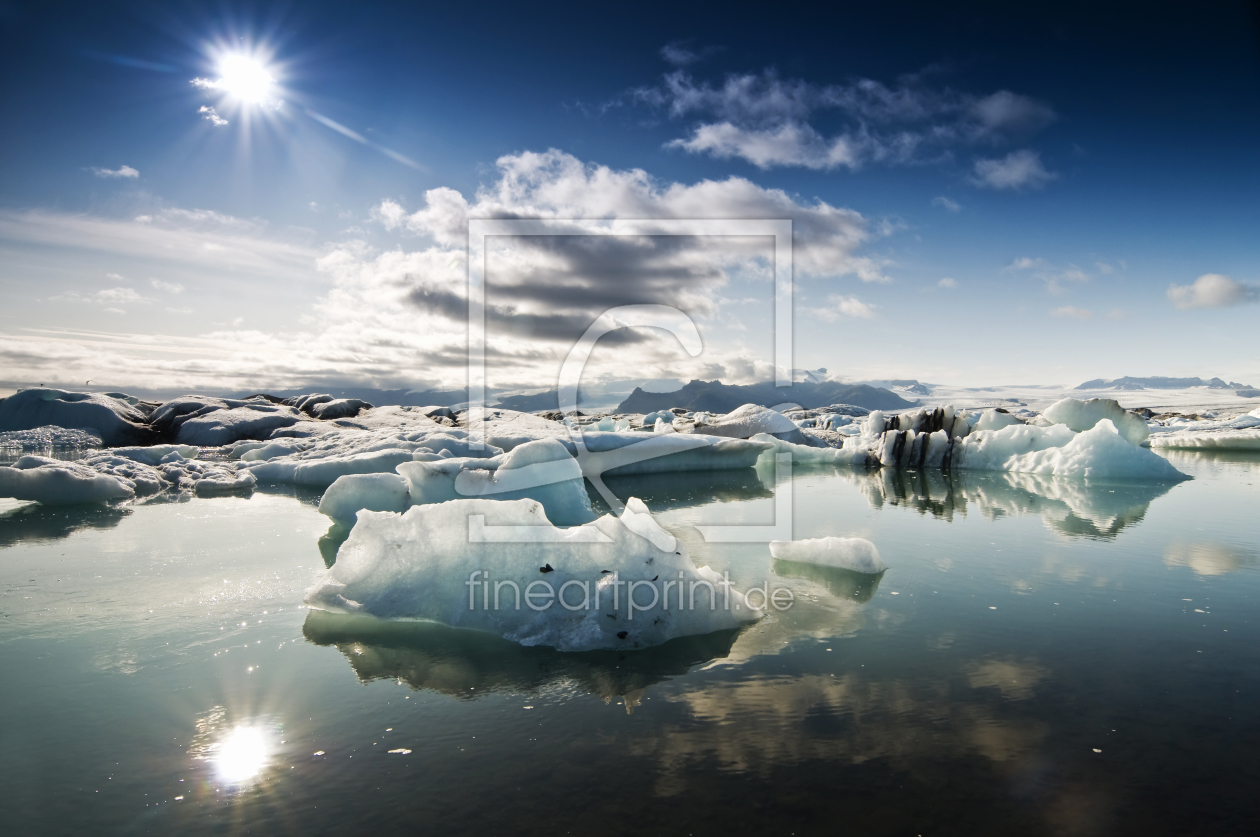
[[1073, 507], [468, 664]]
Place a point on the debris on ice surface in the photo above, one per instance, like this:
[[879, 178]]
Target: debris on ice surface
[[49, 437], [56, 482], [1083, 415], [855, 554], [617, 580], [116, 420]]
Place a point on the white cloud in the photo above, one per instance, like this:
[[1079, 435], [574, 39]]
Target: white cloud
[[178, 310], [108, 296], [212, 116], [1017, 170], [114, 276], [169, 287], [766, 120], [790, 144], [947, 204], [679, 55], [118, 311], [396, 316], [1212, 290], [1072, 311], [121, 171], [555, 185], [845, 306], [1056, 278], [947, 283]]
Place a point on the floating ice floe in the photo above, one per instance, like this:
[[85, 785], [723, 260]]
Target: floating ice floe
[[501, 567], [116, 418], [120, 474], [1240, 433], [57, 482], [854, 554], [995, 441]]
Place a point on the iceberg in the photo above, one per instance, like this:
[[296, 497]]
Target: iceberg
[[615, 583], [1084, 415], [375, 492], [56, 482], [854, 554], [117, 419]]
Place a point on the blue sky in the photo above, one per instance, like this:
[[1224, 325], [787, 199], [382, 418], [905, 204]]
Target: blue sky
[[1072, 174]]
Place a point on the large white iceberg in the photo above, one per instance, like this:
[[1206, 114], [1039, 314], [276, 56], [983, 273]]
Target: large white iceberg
[[118, 419], [500, 566], [56, 482]]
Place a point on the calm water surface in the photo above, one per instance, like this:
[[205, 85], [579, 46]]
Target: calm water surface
[[1041, 657]]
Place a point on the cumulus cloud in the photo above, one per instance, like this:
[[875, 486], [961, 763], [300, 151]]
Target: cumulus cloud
[[212, 116], [1073, 312], [767, 120], [845, 306], [1017, 170], [396, 316], [947, 283], [947, 204], [1212, 290], [121, 171]]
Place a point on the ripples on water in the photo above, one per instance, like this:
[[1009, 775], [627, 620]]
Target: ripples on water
[[1041, 657]]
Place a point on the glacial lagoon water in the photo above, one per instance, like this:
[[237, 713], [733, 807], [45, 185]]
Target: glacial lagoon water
[[1041, 657]]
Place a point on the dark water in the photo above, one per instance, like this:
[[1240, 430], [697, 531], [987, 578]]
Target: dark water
[[1041, 657]]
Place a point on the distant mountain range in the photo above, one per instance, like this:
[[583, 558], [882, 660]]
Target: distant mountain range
[[717, 397], [1158, 382]]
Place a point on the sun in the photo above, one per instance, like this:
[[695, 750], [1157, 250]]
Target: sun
[[246, 79]]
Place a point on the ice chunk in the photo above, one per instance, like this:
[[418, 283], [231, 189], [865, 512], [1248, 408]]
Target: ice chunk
[[1098, 453], [115, 420], [855, 454], [856, 554], [995, 420], [1208, 440], [620, 454], [155, 454], [427, 564], [374, 492], [544, 471], [224, 426], [323, 472], [747, 421], [56, 482], [1083, 415]]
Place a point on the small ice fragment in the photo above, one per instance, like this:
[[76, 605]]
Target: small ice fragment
[[402, 751], [1096, 750], [319, 752]]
